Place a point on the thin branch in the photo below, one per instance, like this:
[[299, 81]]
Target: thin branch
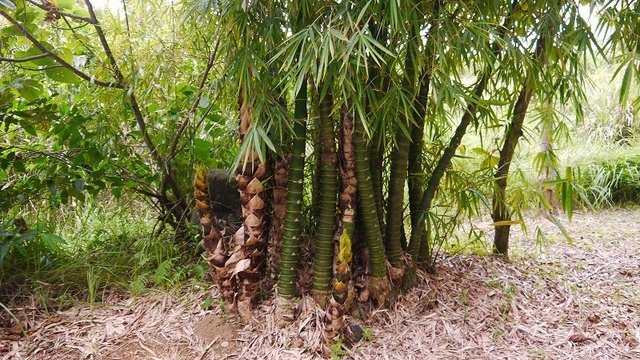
[[70, 27], [165, 166], [126, 18], [41, 68], [196, 101], [143, 129], [132, 98], [148, 193], [48, 7], [75, 34], [24, 59], [55, 57], [103, 41]]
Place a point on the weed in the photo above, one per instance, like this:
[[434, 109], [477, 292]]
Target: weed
[[80, 250], [207, 304], [337, 350], [614, 181], [367, 333], [92, 285], [508, 296]]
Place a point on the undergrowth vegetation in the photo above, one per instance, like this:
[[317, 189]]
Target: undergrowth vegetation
[[77, 251]]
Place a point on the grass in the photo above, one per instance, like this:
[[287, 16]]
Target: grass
[[616, 181], [77, 252]]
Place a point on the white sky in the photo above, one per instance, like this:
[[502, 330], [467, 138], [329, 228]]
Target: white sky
[[111, 4]]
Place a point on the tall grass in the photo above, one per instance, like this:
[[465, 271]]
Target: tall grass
[[78, 251]]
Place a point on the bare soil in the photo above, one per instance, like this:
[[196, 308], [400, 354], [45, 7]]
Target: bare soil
[[552, 300]]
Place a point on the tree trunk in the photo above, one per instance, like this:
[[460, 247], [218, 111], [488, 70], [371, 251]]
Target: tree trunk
[[342, 288], [416, 167], [419, 248], [281, 179], [376, 155], [424, 206], [293, 218], [501, 215], [246, 261], [395, 201], [323, 258], [444, 162], [379, 81], [398, 176], [379, 283]]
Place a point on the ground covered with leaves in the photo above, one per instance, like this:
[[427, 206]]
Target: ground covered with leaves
[[554, 300]]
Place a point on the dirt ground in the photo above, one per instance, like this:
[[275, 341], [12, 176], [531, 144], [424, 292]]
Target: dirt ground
[[550, 301]]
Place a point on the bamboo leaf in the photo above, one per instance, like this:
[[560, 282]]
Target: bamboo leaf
[[362, 12], [338, 35], [507, 222], [626, 84], [562, 228], [265, 138]]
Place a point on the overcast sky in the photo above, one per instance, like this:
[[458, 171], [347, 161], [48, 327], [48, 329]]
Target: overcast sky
[[111, 4]]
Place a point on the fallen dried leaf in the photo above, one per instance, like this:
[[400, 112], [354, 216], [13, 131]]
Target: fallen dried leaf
[[17, 329], [594, 319], [579, 338]]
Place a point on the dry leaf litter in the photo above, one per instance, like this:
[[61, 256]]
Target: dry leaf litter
[[550, 301]]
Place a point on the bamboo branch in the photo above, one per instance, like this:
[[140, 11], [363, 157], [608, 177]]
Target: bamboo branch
[[56, 58], [25, 59], [75, 34], [104, 42], [51, 7]]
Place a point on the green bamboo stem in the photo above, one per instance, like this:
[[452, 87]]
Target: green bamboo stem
[[368, 209], [328, 187], [293, 217]]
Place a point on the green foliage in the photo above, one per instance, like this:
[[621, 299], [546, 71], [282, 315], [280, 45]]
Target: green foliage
[[83, 249], [72, 133], [368, 333], [615, 182], [337, 350]]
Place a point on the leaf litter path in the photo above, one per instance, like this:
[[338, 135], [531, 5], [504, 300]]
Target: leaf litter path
[[555, 301]]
